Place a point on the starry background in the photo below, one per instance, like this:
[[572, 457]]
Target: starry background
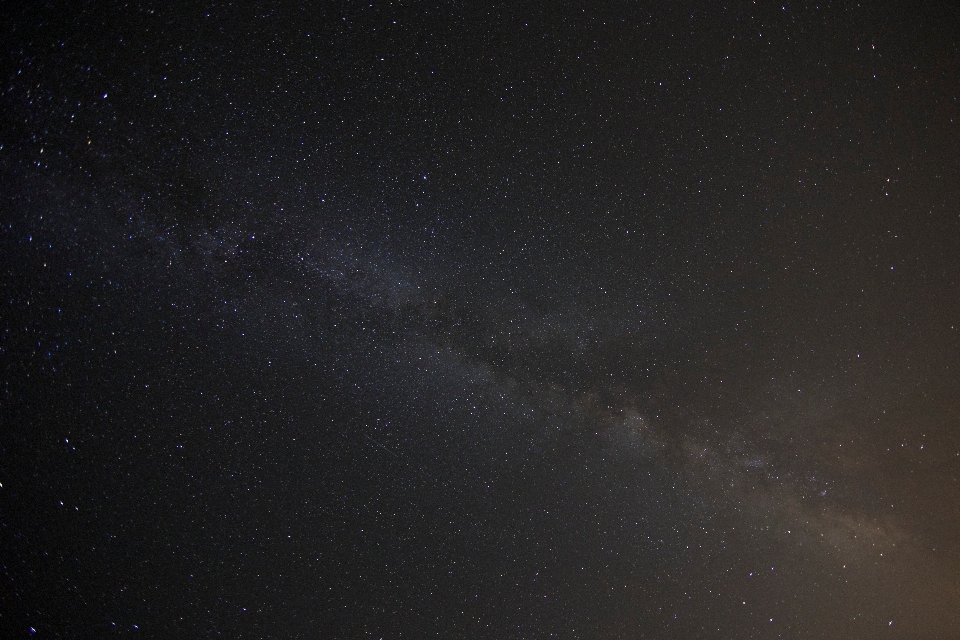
[[407, 320]]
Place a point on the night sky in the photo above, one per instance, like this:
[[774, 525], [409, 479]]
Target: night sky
[[440, 320]]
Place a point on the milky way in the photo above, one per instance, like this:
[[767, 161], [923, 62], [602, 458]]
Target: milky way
[[389, 321]]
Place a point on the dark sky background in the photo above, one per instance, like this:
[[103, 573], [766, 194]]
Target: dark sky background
[[410, 320]]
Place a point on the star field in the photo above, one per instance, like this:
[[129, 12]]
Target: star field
[[407, 320]]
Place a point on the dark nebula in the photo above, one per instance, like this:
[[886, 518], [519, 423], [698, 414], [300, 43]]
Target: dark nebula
[[439, 320]]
